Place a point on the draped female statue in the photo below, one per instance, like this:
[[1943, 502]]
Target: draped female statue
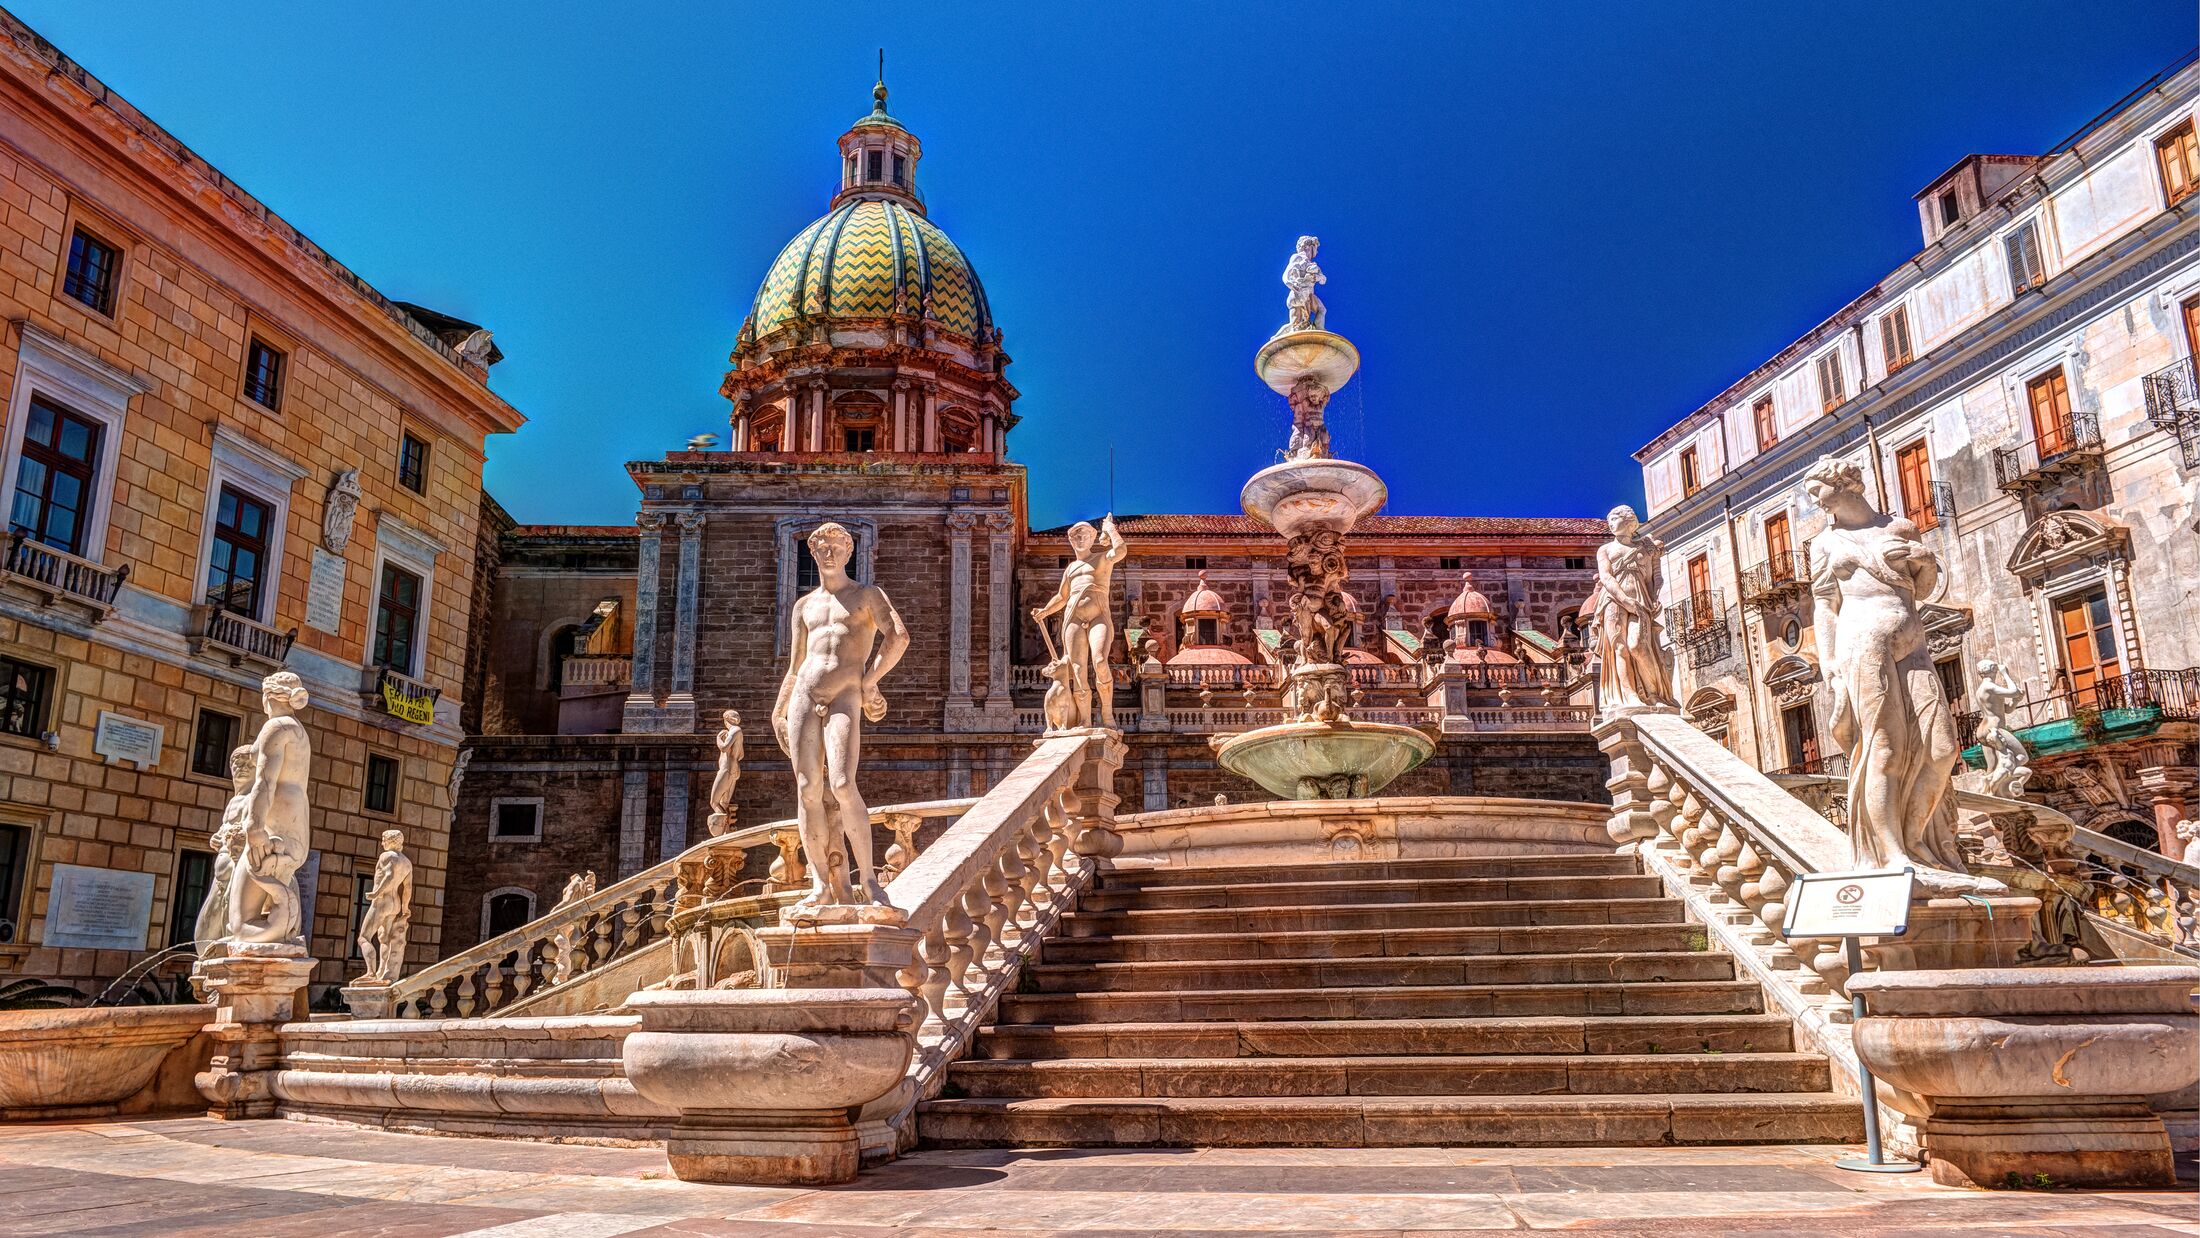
[[1868, 573], [1633, 674]]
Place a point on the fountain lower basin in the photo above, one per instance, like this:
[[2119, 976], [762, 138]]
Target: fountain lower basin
[[1323, 760]]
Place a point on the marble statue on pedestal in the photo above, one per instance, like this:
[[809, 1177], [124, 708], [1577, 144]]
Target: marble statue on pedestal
[[728, 777], [2188, 833], [1868, 573], [2008, 762], [228, 841], [1300, 276], [845, 638], [1085, 602], [263, 894], [387, 927], [1632, 671]]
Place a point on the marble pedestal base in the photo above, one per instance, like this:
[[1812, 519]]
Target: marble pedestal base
[[768, 1082], [369, 1001], [255, 990], [853, 956], [1959, 933], [2037, 1076]]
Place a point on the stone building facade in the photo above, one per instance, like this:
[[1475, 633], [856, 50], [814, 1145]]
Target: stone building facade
[[868, 387], [186, 383], [2022, 389]]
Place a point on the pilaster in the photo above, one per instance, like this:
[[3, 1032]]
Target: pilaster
[[641, 700], [633, 821], [679, 708], [959, 705], [1000, 591], [672, 830]]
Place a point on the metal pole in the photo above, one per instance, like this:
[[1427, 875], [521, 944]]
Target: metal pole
[[1875, 1161]]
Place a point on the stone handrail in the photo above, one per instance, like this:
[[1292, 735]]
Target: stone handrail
[[579, 937], [986, 891], [2141, 890]]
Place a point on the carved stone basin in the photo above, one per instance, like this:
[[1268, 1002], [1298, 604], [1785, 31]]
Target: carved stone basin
[[52, 1059], [1325, 357], [1323, 760], [1300, 496]]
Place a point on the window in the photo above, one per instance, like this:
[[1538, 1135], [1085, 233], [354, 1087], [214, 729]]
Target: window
[[858, 438], [1833, 387], [1210, 632], [55, 478], [26, 689], [93, 265], [1913, 469], [1478, 633], [1950, 671], [1779, 547], [412, 463], [1195, 563], [1951, 210], [239, 558], [212, 742], [1577, 563], [2048, 396], [506, 910], [1691, 480], [15, 862], [1894, 337], [875, 166], [2086, 628], [1448, 563], [380, 795], [955, 442], [1799, 727], [396, 619], [362, 888], [2026, 269], [515, 818], [806, 577], [194, 877], [2191, 310], [263, 375], [1699, 580], [2179, 158], [901, 171], [1768, 433]]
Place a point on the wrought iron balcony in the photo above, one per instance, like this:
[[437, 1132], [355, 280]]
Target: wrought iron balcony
[[1697, 624], [2173, 395], [2140, 698], [2067, 448], [1943, 501], [241, 640], [1777, 581], [58, 577]]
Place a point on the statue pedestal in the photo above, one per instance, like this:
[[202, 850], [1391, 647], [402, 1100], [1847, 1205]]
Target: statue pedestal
[[2034, 1077], [255, 990], [369, 999], [768, 1081], [839, 956], [1987, 931]]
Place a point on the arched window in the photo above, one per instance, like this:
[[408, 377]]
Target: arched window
[[563, 644], [859, 420], [505, 910]]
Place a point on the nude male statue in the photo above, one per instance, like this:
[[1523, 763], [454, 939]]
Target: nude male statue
[[722, 784], [263, 896], [385, 929], [846, 637], [1088, 621]]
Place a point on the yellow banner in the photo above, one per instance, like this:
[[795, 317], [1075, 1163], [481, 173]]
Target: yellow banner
[[407, 703]]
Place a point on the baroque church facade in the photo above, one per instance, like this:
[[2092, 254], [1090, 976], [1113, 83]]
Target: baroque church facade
[[869, 387]]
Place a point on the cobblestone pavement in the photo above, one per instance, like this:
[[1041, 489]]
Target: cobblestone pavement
[[271, 1179]]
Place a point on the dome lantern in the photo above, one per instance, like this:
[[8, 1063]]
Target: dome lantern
[[878, 158]]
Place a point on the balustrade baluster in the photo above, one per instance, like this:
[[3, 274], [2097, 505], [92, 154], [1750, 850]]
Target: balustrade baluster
[[963, 961], [599, 925], [1028, 882], [1000, 888], [1749, 870], [464, 1001], [523, 971], [1722, 853], [630, 919], [974, 904], [439, 1001], [492, 988], [660, 908], [936, 978], [1057, 836]]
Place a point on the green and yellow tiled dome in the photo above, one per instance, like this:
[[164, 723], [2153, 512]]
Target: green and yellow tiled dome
[[851, 263]]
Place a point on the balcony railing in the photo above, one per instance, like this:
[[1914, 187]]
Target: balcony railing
[[2162, 696], [1943, 495], [400, 696], [58, 576], [2065, 449], [596, 670], [2173, 395], [1778, 581], [241, 640], [1834, 763]]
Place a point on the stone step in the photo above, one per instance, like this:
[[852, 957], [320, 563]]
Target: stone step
[[1392, 1001], [1326, 917], [1417, 1075], [1226, 893], [1253, 942], [1295, 1038], [1394, 1121], [1381, 870], [1239, 973]]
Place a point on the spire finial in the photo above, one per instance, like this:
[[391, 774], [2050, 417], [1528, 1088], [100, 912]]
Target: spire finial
[[878, 92]]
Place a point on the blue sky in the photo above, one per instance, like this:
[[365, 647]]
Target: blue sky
[[1551, 229]]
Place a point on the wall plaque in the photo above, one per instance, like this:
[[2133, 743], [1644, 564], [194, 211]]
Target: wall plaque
[[123, 738], [325, 592], [98, 908]]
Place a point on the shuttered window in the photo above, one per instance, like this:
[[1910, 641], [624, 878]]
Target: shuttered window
[[1913, 466], [1894, 337], [2179, 156], [1832, 387], [2026, 269], [1768, 432], [2049, 398]]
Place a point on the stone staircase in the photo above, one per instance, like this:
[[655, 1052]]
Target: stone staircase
[[1508, 1000]]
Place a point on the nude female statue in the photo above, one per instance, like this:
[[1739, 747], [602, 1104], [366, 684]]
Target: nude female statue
[[212, 925], [263, 896], [1633, 674], [1868, 573], [845, 637], [1088, 621], [728, 777]]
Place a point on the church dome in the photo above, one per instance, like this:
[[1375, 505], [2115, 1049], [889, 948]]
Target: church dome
[[869, 258], [1470, 604]]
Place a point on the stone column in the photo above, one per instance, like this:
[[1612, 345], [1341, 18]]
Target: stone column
[[959, 526], [999, 616], [815, 435], [686, 602], [901, 415], [2168, 779], [633, 821], [739, 440], [1092, 801], [641, 700], [928, 416]]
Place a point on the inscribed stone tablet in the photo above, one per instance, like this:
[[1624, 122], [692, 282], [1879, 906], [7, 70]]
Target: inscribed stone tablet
[[98, 908], [325, 591], [127, 739]]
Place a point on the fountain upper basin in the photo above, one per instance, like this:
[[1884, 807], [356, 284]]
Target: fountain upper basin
[[1301, 496], [1323, 760]]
